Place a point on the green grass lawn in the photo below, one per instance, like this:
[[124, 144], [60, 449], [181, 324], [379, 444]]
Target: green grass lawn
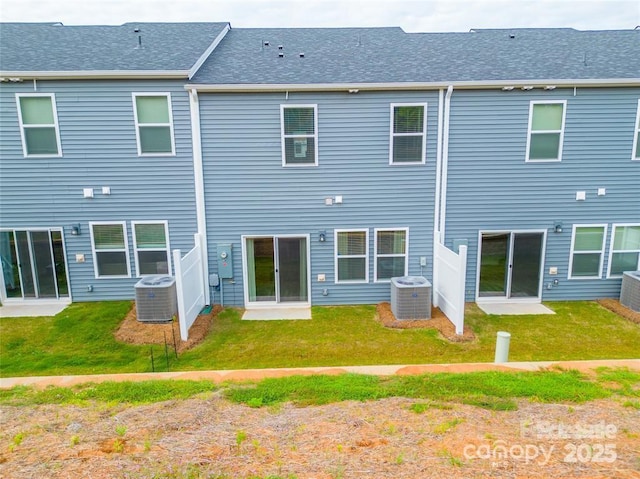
[[80, 340]]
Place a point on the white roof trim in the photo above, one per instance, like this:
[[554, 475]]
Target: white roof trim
[[102, 74], [196, 66], [409, 85]]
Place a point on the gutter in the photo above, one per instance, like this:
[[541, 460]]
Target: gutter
[[386, 86], [18, 76]]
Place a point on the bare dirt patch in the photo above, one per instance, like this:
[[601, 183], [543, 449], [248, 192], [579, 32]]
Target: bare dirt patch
[[621, 310], [211, 437], [133, 331], [438, 321]]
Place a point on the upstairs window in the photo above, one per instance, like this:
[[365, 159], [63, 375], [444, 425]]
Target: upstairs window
[[408, 134], [154, 124], [636, 136], [110, 250], [299, 124], [151, 245], [546, 131], [391, 251], [587, 251], [39, 125], [625, 250], [352, 253]]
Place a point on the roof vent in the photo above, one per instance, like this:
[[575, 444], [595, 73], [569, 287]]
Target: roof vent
[[280, 47], [266, 43], [281, 54], [301, 54], [512, 35]]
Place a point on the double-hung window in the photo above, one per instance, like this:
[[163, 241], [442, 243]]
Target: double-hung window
[[408, 133], [587, 251], [154, 123], [352, 256], [391, 251], [151, 247], [299, 127], [110, 249], [636, 136], [39, 124], [625, 250], [546, 130]]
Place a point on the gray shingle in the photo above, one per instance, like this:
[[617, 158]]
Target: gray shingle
[[52, 47], [378, 55]]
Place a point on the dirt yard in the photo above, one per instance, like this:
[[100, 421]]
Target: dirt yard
[[211, 437]]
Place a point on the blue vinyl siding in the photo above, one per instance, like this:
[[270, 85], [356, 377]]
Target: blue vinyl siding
[[99, 149], [248, 192], [491, 187]]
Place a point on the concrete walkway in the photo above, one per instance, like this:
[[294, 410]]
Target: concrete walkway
[[256, 374]]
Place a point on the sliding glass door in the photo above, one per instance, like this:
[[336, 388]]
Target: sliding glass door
[[277, 269]]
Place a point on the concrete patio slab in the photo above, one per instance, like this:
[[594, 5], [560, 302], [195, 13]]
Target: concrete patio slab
[[271, 314], [26, 309], [514, 308]]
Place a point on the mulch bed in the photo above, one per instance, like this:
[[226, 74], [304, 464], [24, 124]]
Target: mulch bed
[[615, 306], [133, 331], [438, 321]]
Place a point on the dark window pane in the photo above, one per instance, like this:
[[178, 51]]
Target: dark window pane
[[41, 141], [391, 242], [390, 267], [407, 149], [638, 146], [622, 262], [153, 262], [408, 119], [111, 263], [352, 269], [299, 151], [108, 236], [586, 264], [544, 146], [150, 236], [352, 243], [155, 139]]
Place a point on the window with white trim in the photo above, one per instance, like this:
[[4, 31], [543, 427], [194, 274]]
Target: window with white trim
[[151, 247], [299, 128], [546, 130], [408, 133], [391, 252], [587, 251], [110, 250], [154, 123], [352, 256], [38, 119], [636, 136], [625, 250]]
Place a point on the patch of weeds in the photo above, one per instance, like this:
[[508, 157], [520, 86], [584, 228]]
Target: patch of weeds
[[451, 459], [400, 459], [421, 407], [75, 440], [118, 445], [492, 403], [241, 436], [633, 404], [390, 429], [121, 430], [147, 445], [628, 381], [16, 441], [446, 426]]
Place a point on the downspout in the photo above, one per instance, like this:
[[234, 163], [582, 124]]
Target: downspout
[[445, 164], [436, 207], [198, 173]]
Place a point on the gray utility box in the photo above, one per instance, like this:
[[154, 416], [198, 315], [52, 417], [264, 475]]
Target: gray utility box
[[630, 291], [411, 297], [156, 300]]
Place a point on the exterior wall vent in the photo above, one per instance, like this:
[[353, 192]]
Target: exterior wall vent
[[411, 297], [156, 299]]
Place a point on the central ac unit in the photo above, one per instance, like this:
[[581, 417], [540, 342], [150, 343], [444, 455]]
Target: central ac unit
[[156, 299], [411, 297]]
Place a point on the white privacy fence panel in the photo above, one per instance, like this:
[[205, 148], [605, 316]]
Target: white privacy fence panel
[[449, 283], [190, 287]]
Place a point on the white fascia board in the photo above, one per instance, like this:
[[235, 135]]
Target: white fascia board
[[94, 74], [273, 87], [196, 66]]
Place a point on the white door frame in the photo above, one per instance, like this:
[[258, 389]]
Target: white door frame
[[245, 276], [60, 298], [506, 298]]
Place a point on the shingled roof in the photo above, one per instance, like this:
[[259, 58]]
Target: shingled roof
[[132, 47], [389, 55]]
